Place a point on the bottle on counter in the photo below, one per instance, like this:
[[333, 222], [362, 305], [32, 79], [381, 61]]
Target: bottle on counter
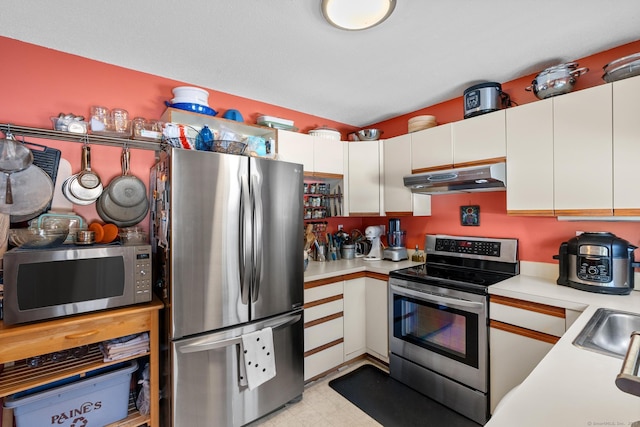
[[418, 255]]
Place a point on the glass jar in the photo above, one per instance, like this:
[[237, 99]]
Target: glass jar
[[120, 120]]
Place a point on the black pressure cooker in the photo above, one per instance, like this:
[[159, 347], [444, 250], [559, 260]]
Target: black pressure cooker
[[597, 262]]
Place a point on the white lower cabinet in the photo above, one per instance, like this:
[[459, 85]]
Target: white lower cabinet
[[521, 333], [377, 327], [355, 343], [323, 327], [318, 363], [323, 333], [513, 357], [344, 318]]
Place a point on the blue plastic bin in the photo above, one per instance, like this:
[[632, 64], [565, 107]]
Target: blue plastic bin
[[96, 400]]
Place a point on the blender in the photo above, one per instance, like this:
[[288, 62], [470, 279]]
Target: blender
[[373, 233], [396, 251]]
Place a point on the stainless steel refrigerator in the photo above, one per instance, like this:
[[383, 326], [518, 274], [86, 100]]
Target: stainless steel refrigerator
[[226, 232]]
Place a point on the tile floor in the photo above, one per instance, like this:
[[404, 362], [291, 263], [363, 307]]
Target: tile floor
[[321, 406]]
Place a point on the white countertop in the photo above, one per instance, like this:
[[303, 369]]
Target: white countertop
[[570, 386], [323, 270]]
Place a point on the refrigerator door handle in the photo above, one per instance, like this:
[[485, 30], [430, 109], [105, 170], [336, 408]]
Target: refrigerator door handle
[[209, 345], [245, 240], [257, 233], [214, 343]]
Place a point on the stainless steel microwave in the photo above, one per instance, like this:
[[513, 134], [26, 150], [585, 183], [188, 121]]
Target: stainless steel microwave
[[48, 283]]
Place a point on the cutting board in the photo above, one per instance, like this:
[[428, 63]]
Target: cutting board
[[59, 203]]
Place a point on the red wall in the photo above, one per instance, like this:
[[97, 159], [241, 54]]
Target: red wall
[[453, 110], [38, 83], [539, 237]]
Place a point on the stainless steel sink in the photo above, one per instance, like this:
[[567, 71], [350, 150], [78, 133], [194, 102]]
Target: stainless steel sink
[[608, 332]]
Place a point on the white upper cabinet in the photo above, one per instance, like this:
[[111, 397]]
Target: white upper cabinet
[[530, 159], [363, 190], [583, 163], [626, 147], [398, 199], [432, 148], [297, 148], [479, 139], [318, 155], [397, 164], [328, 156]]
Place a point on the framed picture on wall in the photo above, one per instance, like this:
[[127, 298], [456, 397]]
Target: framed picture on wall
[[470, 215]]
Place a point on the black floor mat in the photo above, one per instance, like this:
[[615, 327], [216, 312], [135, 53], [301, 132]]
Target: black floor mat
[[392, 403]]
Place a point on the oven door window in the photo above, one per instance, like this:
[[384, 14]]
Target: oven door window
[[444, 330], [46, 284]]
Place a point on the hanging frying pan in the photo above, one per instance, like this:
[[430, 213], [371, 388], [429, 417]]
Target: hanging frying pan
[[70, 196], [85, 186], [32, 192], [127, 190], [121, 216]]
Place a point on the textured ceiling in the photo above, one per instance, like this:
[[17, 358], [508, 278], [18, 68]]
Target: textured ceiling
[[282, 51]]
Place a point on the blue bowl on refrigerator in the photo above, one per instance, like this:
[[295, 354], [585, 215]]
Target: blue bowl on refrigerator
[[196, 108]]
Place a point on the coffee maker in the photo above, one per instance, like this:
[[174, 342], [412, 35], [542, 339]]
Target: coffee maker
[[396, 251]]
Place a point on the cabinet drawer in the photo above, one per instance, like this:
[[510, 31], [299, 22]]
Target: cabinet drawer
[[323, 361], [70, 332], [322, 310], [324, 291], [323, 333], [551, 324]]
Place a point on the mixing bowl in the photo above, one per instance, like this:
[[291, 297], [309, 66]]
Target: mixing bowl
[[369, 134], [37, 238]]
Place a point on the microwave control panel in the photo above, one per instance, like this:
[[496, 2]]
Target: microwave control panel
[[143, 274]]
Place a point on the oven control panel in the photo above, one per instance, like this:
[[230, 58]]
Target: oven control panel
[[487, 248], [472, 247]]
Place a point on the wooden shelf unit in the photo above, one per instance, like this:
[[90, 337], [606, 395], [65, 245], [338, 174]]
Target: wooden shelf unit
[[20, 342]]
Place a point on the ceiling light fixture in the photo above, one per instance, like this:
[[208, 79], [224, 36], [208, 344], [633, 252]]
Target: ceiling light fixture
[[356, 14]]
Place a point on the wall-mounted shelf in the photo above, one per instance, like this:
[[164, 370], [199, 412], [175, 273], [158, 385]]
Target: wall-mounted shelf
[[321, 200], [175, 115], [25, 131]]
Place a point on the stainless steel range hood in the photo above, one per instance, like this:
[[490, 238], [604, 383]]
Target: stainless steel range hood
[[490, 177]]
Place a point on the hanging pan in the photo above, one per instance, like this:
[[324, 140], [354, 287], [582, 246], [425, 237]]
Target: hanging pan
[[127, 190], [121, 216], [84, 187]]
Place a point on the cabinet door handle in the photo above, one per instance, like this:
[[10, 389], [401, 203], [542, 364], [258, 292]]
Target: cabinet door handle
[[81, 335]]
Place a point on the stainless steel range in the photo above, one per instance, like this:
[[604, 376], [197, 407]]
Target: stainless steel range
[[438, 320]]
